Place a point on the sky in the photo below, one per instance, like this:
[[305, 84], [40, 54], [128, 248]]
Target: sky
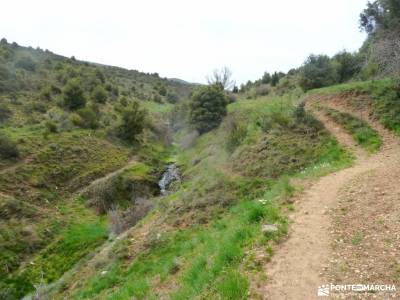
[[187, 39]]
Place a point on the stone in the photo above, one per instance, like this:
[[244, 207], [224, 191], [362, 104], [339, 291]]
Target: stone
[[269, 228]]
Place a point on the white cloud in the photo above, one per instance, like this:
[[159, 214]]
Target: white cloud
[[187, 39]]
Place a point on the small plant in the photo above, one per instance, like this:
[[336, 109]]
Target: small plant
[[51, 127], [8, 149], [357, 238], [237, 134]]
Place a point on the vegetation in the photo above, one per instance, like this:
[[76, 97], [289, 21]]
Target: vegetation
[[133, 122], [384, 95], [82, 147], [57, 117], [207, 108], [363, 134], [73, 95], [380, 15], [99, 94], [216, 215], [8, 149]]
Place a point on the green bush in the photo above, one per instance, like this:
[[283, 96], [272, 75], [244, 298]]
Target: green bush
[[133, 122], [5, 112], [51, 126], [73, 95], [99, 94], [318, 71], [45, 93], [207, 108], [5, 73], [172, 97], [348, 65], [8, 149], [86, 117], [26, 63]]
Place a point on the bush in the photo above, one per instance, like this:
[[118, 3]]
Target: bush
[[237, 134], [262, 90], [133, 122], [51, 126], [26, 63], [73, 95], [172, 97], [45, 93], [86, 117], [5, 73], [318, 71], [99, 94], [347, 65], [5, 112], [207, 108], [8, 149]]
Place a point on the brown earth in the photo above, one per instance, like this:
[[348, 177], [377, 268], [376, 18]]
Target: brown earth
[[346, 226]]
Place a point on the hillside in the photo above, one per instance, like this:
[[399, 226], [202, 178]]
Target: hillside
[[117, 184], [51, 152]]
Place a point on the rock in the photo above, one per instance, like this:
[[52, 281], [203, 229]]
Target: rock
[[269, 228]]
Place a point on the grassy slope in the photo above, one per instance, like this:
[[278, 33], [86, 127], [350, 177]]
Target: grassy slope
[[215, 218], [362, 133], [44, 228], [384, 99]]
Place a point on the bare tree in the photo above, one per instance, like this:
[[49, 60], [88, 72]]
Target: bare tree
[[223, 77]]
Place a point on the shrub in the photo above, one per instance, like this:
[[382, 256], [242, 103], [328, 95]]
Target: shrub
[[73, 95], [347, 65], [133, 122], [51, 126], [8, 149], [172, 97], [262, 90], [99, 94], [5, 112], [123, 101], [86, 117], [318, 71], [26, 63], [237, 134], [156, 98], [45, 93], [207, 108], [5, 73]]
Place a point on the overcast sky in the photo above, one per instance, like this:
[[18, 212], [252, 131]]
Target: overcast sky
[[187, 39]]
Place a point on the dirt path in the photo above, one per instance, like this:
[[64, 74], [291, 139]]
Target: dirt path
[[304, 261], [105, 178]]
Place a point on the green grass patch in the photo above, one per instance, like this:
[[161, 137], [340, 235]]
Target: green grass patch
[[359, 129], [201, 256], [385, 96], [71, 245]]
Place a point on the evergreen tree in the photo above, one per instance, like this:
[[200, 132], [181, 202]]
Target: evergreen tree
[[208, 107]]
